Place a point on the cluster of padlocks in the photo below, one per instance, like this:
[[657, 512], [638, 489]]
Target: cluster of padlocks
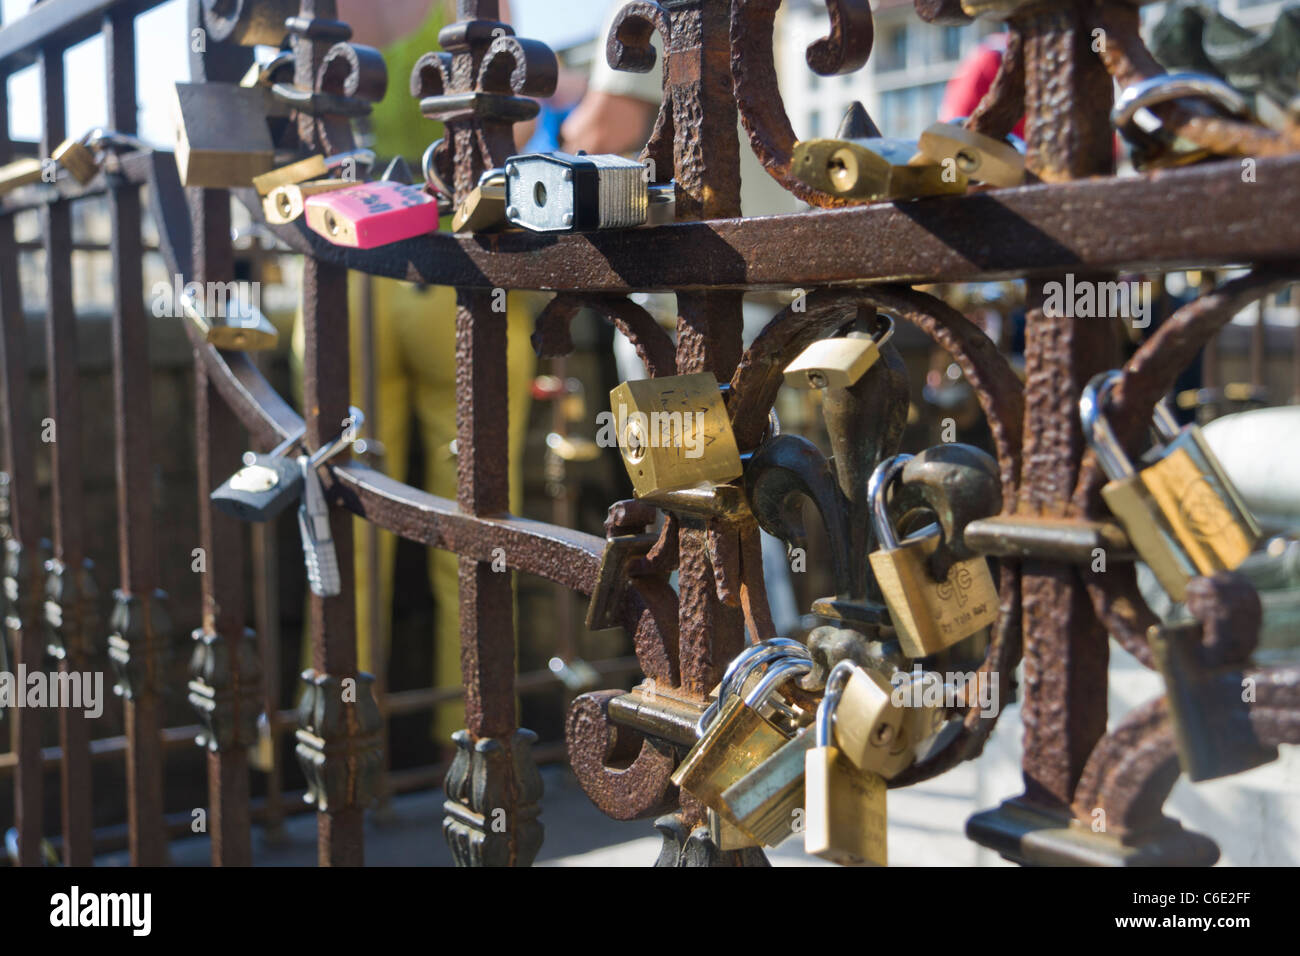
[[791, 745]]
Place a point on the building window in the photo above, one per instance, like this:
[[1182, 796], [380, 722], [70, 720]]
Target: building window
[[893, 54], [951, 40]]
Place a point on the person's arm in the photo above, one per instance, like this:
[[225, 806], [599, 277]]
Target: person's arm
[[607, 123], [382, 24]]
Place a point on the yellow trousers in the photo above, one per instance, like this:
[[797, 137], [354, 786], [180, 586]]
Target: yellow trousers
[[415, 378]]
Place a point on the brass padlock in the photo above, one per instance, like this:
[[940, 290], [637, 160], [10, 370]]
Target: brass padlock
[[928, 615], [1182, 513], [304, 170], [77, 158], [765, 802], [871, 169], [222, 139], [242, 329], [21, 172], [1152, 145], [485, 207], [981, 158], [284, 204], [744, 673], [737, 741], [673, 433], [838, 362], [844, 815], [1212, 729], [867, 724], [926, 728]]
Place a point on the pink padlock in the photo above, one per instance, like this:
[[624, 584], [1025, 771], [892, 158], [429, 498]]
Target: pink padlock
[[372, 214]]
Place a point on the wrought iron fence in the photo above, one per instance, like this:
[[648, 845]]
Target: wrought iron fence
[[1055, 610]]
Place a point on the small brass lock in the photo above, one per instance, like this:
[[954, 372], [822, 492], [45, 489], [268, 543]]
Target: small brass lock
[[765, 802], [738, 740], [674, 433], [21, 172], [222, 137], [304, 170], [284, 204], [875, 168], [485, 207], [1182, 512], [838, 362], [929, 615], [77, 158], [981, 158], [868, 724], [242, 327], [845, 813]]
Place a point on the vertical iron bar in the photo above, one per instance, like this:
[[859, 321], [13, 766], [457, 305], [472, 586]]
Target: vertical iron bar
[[220, 440], [22, 569], [1065, 648], [134, 412], [69, 509]]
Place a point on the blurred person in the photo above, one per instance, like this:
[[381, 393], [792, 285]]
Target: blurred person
[[414, 333], [972, 80]]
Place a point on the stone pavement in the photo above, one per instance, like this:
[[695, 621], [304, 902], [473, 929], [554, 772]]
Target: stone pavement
[[1255, 817]]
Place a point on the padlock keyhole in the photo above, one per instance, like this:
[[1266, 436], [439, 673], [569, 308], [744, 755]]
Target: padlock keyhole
[[539, 194]]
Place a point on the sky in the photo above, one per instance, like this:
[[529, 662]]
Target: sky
[[163, 58]]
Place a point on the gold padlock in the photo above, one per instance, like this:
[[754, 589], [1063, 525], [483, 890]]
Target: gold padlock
[[867, 724], [304, 170], [765, 802], [485, 207], [871, 169], [928, 615], [674, 433], [738, 740], [222, 138], [1182, 513], [77, 158], [242, 329], [284, 204], [981, 158], [838, 362], [845, 813], [21, 172]]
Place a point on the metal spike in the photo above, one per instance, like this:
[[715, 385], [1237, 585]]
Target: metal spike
[[857, 124]]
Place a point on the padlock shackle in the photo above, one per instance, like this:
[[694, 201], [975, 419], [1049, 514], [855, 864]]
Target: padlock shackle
[[327, 451], [835, 683], [877, 492], [738, 671], [1096, 428], [777, 675]]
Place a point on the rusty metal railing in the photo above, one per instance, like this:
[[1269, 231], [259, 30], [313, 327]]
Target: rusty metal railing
[[1054, 615]]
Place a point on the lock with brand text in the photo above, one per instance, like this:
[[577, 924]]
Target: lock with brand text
[[1182, 513], [366, 215], [928, 614]]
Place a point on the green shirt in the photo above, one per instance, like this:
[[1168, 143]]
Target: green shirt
[[399, 128]]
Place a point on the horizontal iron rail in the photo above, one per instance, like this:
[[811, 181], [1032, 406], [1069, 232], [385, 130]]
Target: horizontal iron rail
[[58, 24]]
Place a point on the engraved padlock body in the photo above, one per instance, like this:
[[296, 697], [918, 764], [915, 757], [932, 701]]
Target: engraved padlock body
[[763, 803], [928, 615], [674, 432], [845, 810], [739, 739], [261, 490], [1182, 514]]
